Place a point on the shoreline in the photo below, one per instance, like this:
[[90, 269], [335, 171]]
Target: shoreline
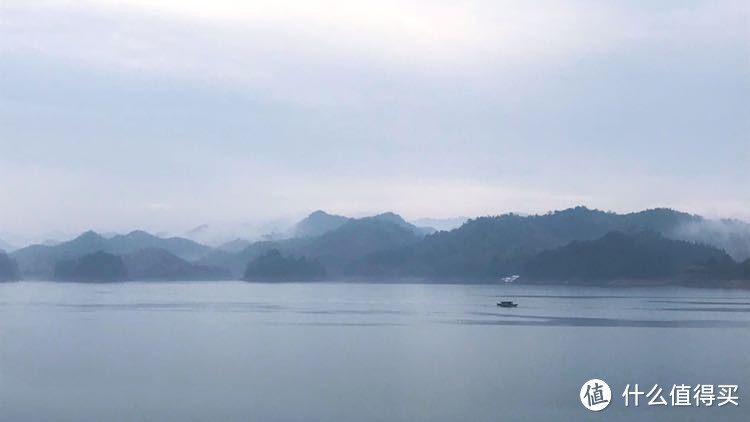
[[610, 284]]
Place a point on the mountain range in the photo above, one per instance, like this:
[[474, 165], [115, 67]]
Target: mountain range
[[38, 261], [645, 255], [338, 243], [572, 245], [5, 246], [318, 223], [273, 266], [94, 267], [8, 268], [160, 264], [499, 245]]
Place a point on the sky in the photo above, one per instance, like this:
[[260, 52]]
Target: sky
[[167, 114]]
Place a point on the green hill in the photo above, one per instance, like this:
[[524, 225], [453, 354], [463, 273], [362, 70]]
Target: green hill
[[489, 247], [616, 255], [38, 261], [8, 268], [318, 223], [273, 266], [94, 267], [159, 264]]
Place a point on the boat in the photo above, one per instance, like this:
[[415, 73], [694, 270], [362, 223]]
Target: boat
[[507, 304], [510, 279]]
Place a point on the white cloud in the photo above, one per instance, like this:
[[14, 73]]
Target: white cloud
[[166, 114], [313, 51]]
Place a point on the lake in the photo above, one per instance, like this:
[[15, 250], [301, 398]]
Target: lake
[[234, 351]]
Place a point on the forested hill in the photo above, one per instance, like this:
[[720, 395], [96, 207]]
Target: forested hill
[[646, 256], [573, 244], [645, 243], [38, 261], [493, 246], [8, 268]]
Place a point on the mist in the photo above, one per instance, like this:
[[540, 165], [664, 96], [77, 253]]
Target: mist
[[433, 110], [731, 235]]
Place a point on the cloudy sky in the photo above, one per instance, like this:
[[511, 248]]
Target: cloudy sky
[[166, 114]]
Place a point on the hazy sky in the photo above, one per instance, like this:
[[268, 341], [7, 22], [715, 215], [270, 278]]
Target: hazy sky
[[165, 114]]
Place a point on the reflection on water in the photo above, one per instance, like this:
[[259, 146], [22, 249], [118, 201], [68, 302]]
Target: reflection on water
[[707, 309], [332, 351], [701, 302], [606, 322]]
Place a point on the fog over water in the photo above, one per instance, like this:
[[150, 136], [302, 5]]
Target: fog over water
[[235, 351]]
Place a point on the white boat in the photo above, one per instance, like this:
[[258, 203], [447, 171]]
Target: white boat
[[510, 279]]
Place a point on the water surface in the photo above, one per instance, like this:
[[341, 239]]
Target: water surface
[[234, 351]]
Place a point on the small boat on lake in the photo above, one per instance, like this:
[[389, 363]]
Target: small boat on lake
[[507, 304], [511, 278]]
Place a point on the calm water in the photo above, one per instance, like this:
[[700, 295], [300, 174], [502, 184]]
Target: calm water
[[234, 351]]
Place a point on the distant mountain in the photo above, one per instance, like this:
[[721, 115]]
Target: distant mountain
[[94, 267], [398, 220], [38, 261], [616, 255], [488, 247], [5, 246], [318, 223], [440, 224], [652, 243], [159, 264], [136, 240], [743, 270], [731, 235], [197, 230], [273, 266], [340, 250], [8, 268], [343, 249], [215, 234], [236, 262], [234, 246]]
